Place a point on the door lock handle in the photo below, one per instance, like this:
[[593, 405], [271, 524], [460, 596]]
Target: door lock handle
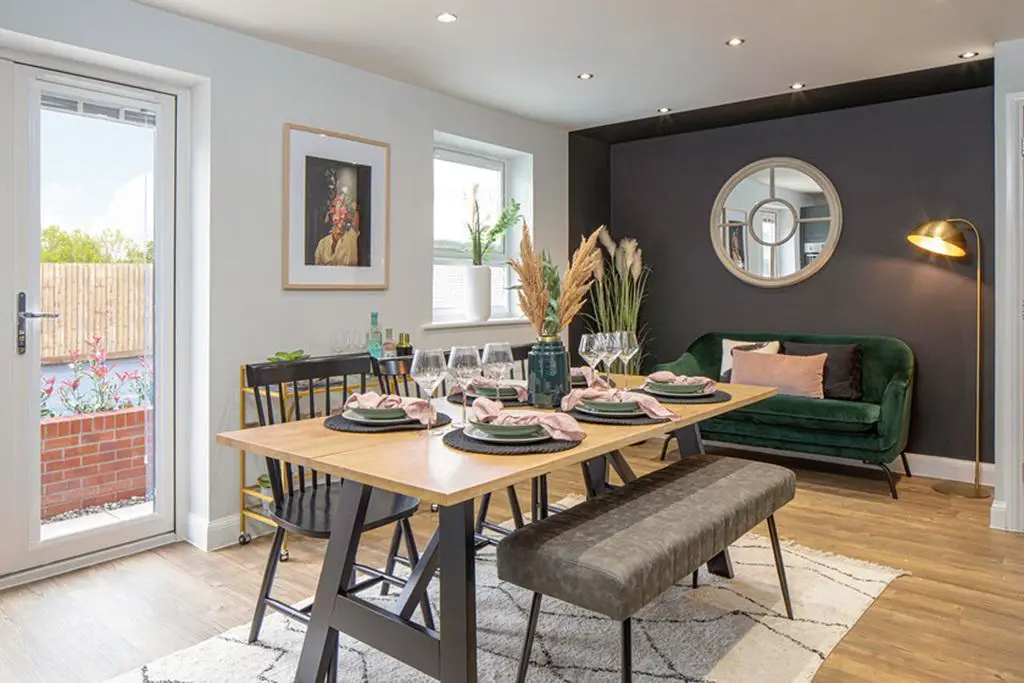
[[21, 333], [25, 315]]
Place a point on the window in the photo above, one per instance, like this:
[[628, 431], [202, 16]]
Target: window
[[455, 175]]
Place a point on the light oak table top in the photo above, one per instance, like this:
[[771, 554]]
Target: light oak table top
[[411, 463]]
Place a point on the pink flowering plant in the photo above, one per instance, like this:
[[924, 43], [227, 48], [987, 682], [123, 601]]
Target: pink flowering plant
[[95, 386]]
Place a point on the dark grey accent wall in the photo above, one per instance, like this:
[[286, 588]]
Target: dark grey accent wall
[[894, 165]]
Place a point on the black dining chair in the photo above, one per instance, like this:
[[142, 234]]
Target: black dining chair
[[304, 498]]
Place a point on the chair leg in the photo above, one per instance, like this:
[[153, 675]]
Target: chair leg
[[531, 630], [779, 567], [414, 559], [481, 516], [906, 464], [627, 651], [332, 670], [389, 567], [664, 446], [268, 580], [517, 510]]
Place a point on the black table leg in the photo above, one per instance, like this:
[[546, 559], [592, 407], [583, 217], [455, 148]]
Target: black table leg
[[458, 594], [346, 528]]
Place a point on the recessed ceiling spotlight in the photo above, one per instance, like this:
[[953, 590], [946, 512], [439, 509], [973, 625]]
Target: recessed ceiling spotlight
[[663, 110], [447, 18], [797, 86], [735, 42], [585, 76], [968, 55]]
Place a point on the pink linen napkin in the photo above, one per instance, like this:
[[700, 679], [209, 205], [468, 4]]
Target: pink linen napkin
[[667, 377], [557, 425], [648, 404], [487, 383], [416, 408], [593, 379]]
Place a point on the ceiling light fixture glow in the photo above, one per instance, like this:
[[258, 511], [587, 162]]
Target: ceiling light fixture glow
[[735, 41], [797, 86], [447, 18], [663, 110], [585, 76], [968, 55]]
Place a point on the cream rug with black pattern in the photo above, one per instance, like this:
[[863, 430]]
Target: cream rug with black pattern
[[725, 631]]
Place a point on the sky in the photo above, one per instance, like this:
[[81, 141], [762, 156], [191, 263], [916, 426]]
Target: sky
[[95, 174]]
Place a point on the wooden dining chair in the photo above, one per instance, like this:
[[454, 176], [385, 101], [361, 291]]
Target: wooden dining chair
[[303, 498]]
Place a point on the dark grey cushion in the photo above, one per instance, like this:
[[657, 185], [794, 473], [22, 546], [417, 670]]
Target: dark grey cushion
[[618, 552], [841, 378]]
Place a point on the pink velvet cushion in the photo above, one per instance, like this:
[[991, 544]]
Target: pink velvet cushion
[[793, 375]]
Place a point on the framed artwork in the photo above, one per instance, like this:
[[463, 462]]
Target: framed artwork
[[336, 196], [735, 225]]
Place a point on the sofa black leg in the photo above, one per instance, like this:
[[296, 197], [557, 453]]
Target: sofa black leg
[[779, 566], [627, 651], [531, 629], [906, 464], [888, 478]]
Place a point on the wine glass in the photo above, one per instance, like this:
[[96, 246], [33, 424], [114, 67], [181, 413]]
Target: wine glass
[[463, 366], [610, 350], [628, 347], [497, 360], [428, 370], [590, 350]]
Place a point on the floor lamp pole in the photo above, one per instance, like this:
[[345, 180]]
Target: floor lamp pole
[[957, 488]]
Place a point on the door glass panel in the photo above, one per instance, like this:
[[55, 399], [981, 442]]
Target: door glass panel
[[97, 460]]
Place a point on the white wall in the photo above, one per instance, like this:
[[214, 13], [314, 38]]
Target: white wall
[[252, 88], [1008, 507]]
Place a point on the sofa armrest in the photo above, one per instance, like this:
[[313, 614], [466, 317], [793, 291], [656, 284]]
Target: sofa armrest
[[686, 364], [894, 421]]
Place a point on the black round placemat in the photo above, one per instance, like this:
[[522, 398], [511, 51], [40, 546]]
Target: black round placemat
[[625, 421], [459, 399], [458, 440], [340, 423], [717, 397]]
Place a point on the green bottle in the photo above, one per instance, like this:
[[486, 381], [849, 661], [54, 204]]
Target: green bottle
[[376, 345]]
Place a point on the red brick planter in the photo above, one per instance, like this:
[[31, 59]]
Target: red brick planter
[[94, 459]]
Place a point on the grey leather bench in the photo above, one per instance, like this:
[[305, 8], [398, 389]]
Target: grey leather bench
[[618, 552]]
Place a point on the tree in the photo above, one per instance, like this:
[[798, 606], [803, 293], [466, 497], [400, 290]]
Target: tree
[[110, 246]]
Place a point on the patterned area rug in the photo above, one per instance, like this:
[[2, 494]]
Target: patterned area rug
[[722, 632]]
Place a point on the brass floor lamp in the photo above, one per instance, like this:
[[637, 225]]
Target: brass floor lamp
[[945, 238]]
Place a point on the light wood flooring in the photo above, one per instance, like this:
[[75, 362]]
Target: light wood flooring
[[958, 619]]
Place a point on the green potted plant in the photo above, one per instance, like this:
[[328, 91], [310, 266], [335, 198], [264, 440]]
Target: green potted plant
[[286, 356], [481, 241], [263, 481]]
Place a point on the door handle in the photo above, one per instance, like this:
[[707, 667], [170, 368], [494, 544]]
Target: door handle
[[24, 315]]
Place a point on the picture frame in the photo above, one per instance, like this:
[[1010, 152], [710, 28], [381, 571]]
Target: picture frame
[[337, 197]]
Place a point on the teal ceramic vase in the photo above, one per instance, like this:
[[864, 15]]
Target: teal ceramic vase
[[548, 374]]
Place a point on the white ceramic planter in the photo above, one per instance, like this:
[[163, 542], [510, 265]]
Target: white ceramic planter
[[478, 293]]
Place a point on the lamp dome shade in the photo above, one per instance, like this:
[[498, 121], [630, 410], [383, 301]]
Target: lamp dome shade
[[939, 237]]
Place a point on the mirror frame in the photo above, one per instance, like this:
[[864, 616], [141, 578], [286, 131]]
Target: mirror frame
[[835, 211]]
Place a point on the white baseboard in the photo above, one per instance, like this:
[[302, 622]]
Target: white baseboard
[[212, 535], [932, 466], [997, 515]]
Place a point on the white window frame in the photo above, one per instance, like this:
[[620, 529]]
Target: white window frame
[[500, 253]]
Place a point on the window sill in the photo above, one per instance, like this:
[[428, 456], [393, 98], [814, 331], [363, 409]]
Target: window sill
[[460, 324]]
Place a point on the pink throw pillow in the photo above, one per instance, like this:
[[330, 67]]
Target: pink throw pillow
[[793, 375]]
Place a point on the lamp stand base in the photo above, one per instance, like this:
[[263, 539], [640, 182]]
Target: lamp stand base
[[962, 489]]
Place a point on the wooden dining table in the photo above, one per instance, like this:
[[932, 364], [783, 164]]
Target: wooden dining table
[[414, 464]]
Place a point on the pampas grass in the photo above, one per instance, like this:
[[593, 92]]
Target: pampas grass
[[549, 302], [619, 290]]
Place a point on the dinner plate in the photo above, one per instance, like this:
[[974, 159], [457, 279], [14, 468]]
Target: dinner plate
[[472, 432], [489, 392], [666, 394], [507, 429], [356, 417], [677, 389], [610, 407], [379, 413], [604, 413]]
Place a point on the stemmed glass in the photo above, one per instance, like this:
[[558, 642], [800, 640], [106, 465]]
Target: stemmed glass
[[497, 360], [463, 366], [610, 350], [628, 347], [428, 370], [591, 350]]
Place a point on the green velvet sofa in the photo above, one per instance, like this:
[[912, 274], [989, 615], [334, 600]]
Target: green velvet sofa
[[873, 430]]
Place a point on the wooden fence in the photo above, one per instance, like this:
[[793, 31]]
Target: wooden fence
[[108, 300]]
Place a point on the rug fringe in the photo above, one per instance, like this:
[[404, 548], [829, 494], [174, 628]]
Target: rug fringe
[[836, 557]]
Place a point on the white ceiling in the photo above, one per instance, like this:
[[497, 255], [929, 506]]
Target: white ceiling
[[523, 56]]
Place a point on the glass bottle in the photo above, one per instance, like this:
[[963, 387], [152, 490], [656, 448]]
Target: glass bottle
[[376, 346], [389, 344], [404, 347]]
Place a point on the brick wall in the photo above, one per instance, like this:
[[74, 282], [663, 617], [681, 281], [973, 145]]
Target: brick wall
[[94, 459]]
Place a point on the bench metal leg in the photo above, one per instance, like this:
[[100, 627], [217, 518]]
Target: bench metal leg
[[696, 578], [627, 651], [906, 464], [531, 630], [779, 566]]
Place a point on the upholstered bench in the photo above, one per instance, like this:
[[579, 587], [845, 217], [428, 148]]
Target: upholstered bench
[[618, 552]]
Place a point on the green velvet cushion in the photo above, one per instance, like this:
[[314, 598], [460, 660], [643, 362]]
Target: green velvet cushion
[[820, 414]]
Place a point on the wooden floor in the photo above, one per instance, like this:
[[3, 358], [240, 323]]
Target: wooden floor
[[958, 619]]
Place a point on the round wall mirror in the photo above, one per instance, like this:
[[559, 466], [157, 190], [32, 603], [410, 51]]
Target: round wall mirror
[[776, 222]]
